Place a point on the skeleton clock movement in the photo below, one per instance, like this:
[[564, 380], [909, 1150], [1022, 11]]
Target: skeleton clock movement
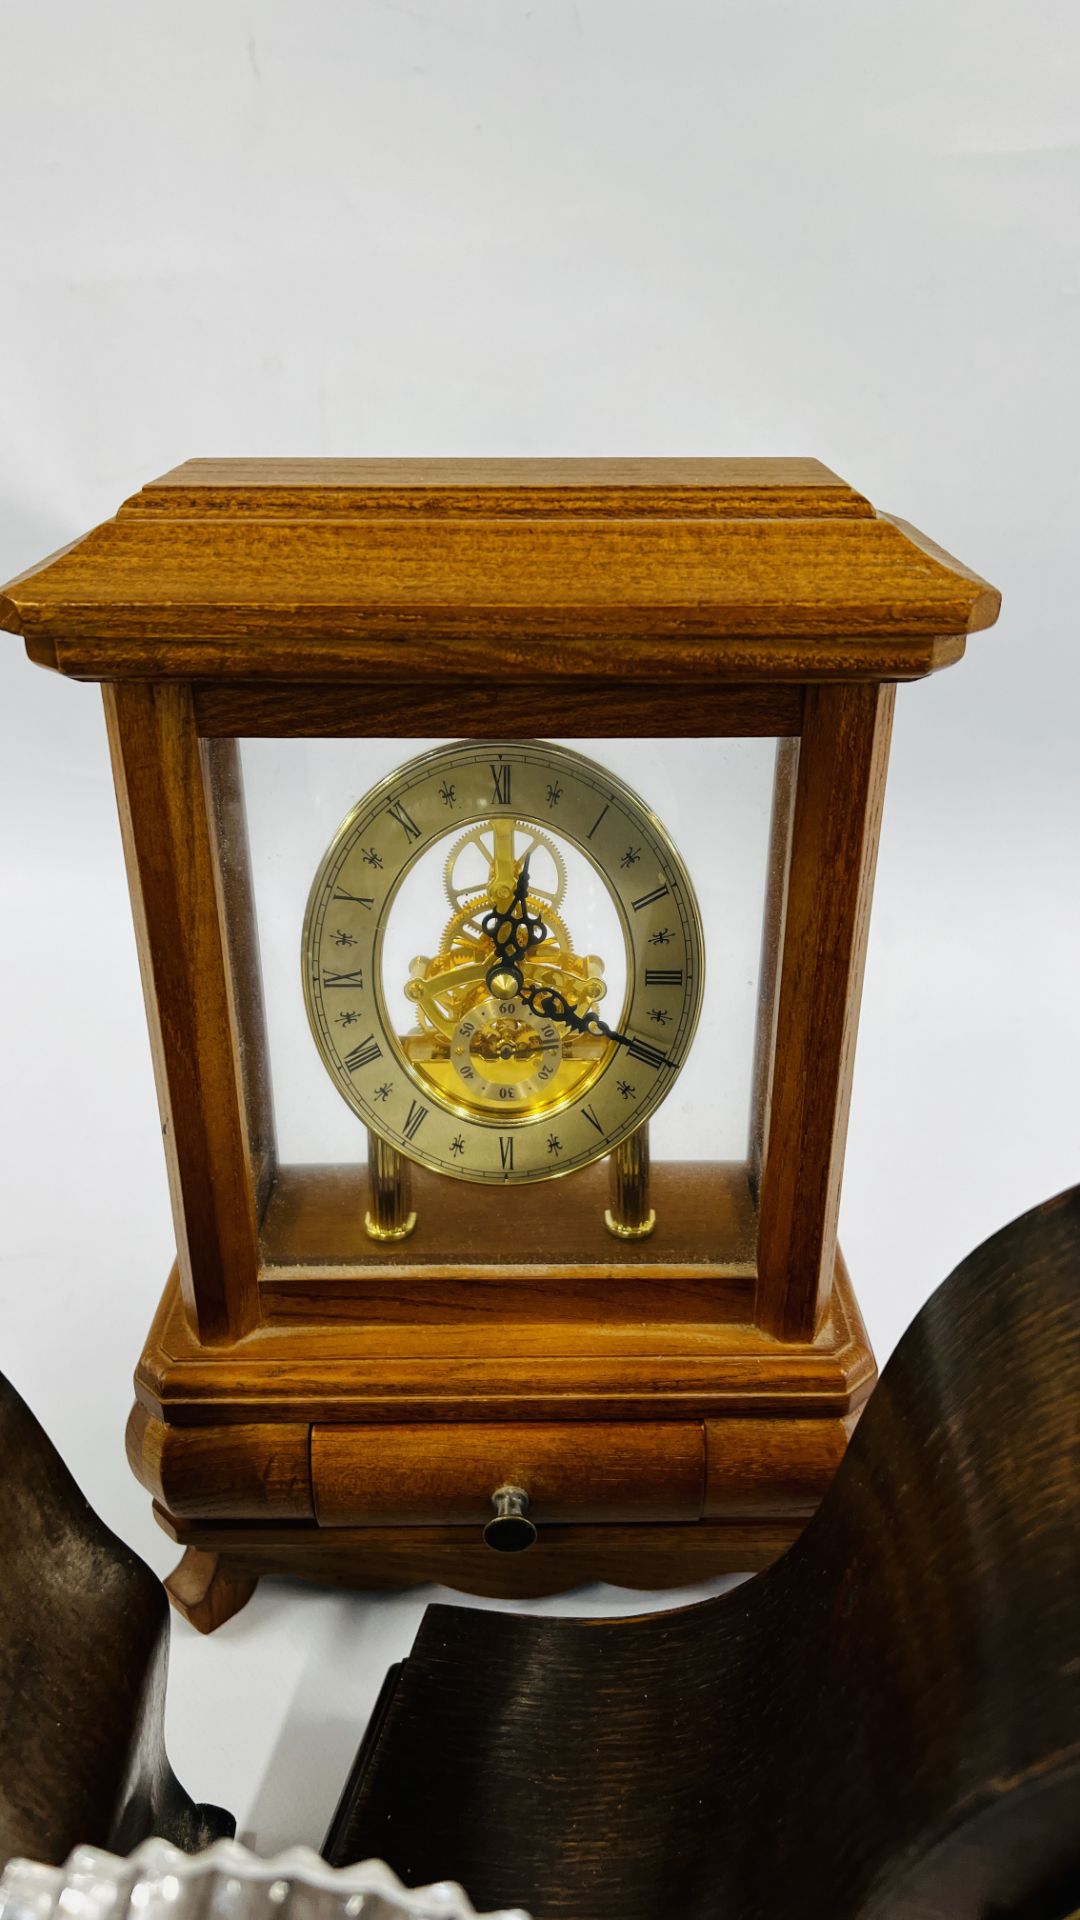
[[529, 1054], [455, 978]]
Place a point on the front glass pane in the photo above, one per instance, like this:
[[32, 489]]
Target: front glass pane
[[424, 972]]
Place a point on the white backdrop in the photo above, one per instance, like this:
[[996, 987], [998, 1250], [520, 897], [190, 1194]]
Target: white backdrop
[[838, 227]]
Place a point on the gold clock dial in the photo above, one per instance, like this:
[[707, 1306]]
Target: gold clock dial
[[502, 960]]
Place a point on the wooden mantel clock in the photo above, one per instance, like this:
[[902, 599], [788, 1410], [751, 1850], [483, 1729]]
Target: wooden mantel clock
[[455, 871]]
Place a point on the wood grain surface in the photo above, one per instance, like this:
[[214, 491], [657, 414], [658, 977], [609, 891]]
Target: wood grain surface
[[755, 1467], [224, 1473], [205, 1592], [839, 793], [449, 707], [434, 1476], [173, 879], [84, 1642], [441, 1475], [646, 1557], [438, 1475], [884, 1725], [315, 1256], [238, 575], [353, 599], [740, 487], [488, 1366]]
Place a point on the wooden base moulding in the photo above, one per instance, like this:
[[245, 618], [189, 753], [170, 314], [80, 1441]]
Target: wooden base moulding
[[218, 1577], [364, 1452]]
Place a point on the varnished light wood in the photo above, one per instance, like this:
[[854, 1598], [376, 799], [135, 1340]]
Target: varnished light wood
[[206, 1592], [757, 1467], [885, 1725], [171, 874], [359, 599], [389, 1476], [432, 1476], [646, 1557], [202, 584], [224, 1473], [454, 708], [418, 645], [482, 1364], [680, 486], [843, 757]]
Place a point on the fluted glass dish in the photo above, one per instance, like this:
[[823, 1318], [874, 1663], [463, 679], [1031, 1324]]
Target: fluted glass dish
[[225, 1882]]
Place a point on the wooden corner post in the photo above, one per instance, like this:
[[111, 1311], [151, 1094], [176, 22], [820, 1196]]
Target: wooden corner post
[[165, 822], [843, 757]]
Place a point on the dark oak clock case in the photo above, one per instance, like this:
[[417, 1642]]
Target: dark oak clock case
[[308, 1401]]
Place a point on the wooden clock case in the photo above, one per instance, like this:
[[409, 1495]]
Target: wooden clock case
[[309, 1402]]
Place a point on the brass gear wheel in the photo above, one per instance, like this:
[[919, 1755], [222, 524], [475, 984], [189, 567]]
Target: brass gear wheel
[[465, 949], [474, 836], [462, 944]]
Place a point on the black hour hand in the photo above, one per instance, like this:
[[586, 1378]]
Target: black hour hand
[[513, 934]]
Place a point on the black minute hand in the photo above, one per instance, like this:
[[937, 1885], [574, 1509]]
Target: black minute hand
[[549, 1004], [512, 934]]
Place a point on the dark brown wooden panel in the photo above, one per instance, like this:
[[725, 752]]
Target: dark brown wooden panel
[[884, 1723], [84, 1647], [314, 1229], [447, 707]]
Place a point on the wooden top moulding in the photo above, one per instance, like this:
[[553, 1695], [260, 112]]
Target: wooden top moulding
[[313, 569]]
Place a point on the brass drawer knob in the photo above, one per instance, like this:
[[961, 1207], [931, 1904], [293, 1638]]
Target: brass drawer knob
[[511, 1531]]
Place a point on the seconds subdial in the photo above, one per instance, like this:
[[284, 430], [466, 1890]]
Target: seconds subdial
[[503, 1053]]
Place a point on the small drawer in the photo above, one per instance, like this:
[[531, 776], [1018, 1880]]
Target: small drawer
[[446, 1476]]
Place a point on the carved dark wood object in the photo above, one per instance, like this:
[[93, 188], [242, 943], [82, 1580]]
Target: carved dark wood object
[[84, 1643], [885, 1722]]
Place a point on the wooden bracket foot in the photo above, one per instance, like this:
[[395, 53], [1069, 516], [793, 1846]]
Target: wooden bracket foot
[[205, 1591]]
